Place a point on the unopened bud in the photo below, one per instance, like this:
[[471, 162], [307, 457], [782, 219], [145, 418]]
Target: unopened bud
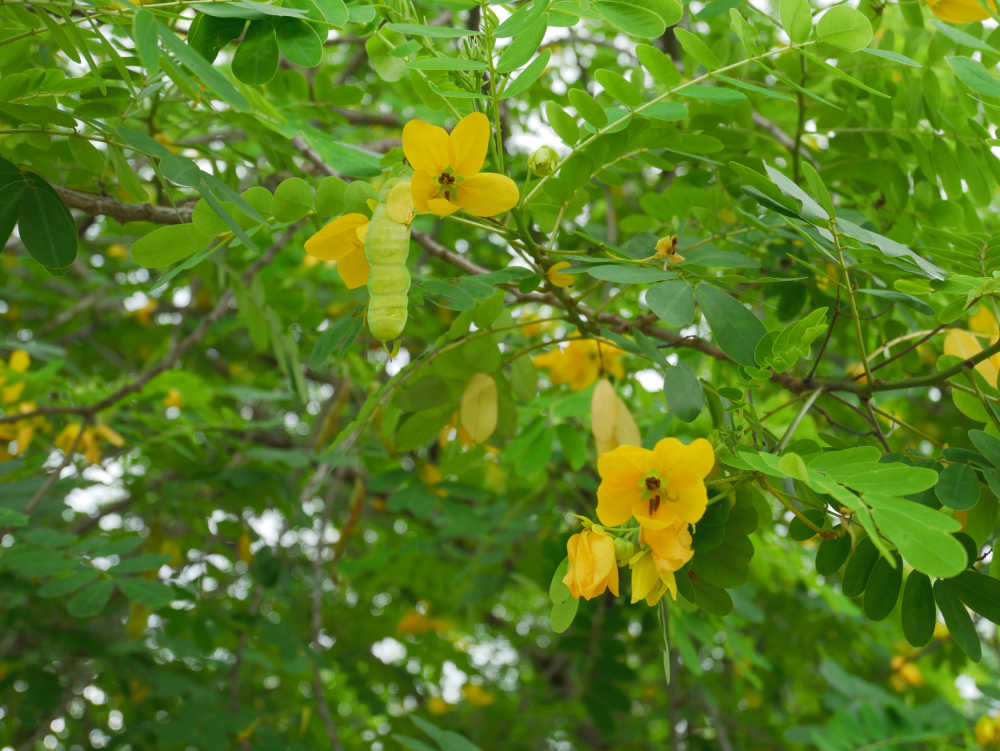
[[624, 550], [543, 162]]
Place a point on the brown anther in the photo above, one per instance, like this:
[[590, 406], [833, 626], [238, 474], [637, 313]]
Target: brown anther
[[654, 503], [652, 483]]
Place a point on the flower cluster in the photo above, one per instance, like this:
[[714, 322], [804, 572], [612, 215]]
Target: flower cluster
[[663, 490], [446, 178], [581, 363], [11, 390]]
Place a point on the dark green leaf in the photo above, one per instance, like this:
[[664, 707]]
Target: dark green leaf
[[91, 600], [859, 568], [256, 58], [152, 594], [958, 486], [957, 619], [735, 329], [46, 226], [883, 588], [683, 392]]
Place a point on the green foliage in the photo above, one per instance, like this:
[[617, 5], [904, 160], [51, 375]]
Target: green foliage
[[219, 489]]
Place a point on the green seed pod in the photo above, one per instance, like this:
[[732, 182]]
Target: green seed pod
[[386, 247]]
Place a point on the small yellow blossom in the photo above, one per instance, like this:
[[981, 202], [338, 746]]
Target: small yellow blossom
[[19, 363], [437, 705], [963, 344], [647, 582], [446, 167], [413, 622], [592, 564], [117, 250], [477, 695], [343, 241], [660, 488], [173, 399], [87, 442], [986, 731], [961, 11], [666, 247], [144, 315], [581, 363], [559, 279]]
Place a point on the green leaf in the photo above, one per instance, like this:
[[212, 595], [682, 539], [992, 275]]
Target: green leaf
[[334, 12], [152, 594], [11, 190], [832, 553], [91, 600], [256, 58], [672, 302], [957, 619], [66, 584], [446, 63], [521, 18], [883, 588], [202, 69], [845, 28], [796, 19], [683, 393], [562, 123], [859, 568], [735, 329], [958, 487], [447, 740], [696, 48], [435, 32], [11, 518], [46, 226], [963, 39], [979, 592], [528, 76], [293, 199], [660, 65], [388, 67], [921, 534], [522, 46], [713, 94], [622, 273], [635, 20], [144, 33], [798, 530], [337, 338], [588, 108], [917, 611], [974, 75], [209, 34], [617, 86], [559, 592], [298, 42], [167, 245]]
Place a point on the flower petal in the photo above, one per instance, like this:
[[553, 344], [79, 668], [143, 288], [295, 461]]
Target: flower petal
[[468, 144], [442, 206], [421, 190], [336, 239], [353, 269], [425, 147], [399, 204], [621, 471], [488, 194], [696, 458]]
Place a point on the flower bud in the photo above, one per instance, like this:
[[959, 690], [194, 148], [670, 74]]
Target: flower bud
[[543, 162], [624, 550]]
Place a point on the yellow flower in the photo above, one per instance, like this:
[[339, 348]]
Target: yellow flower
[[413, 622], [660, 488], [983, 322], [559, 279], [647, 582], [447, 174], [592, 564], [87, 442], [960, 11], [963, 344], [581, 363], [437, 705], [173, 399], [610, 420], [986, 730], [477, 695], [19, 362], [666, 247], [343, 241], [117, 250], [671, 546]]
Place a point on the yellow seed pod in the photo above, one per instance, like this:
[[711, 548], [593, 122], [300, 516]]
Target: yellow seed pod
[[478, 410]]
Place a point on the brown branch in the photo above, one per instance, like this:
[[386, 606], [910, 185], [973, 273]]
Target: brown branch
[[124, 212]]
